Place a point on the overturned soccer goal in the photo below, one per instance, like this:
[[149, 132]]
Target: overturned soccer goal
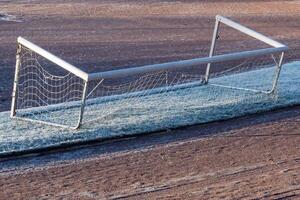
[[51, 91]]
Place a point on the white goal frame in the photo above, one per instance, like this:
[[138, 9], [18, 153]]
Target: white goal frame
[[276, 47]]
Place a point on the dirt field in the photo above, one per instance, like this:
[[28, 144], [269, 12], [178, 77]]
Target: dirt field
[[257, 157]]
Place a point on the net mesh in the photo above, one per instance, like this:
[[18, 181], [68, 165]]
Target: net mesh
[[45, 89], [144, 96], [48, 93]]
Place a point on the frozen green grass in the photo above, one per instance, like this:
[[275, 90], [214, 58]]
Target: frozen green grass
[[199, 104]]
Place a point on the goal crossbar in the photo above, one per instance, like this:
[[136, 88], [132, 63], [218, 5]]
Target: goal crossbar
[[185, 63], [249, 31], [276, 47], [67, 66]]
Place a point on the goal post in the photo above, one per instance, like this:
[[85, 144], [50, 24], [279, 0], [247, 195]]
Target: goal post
[[247, 31], [52, 91], [49, 56], [26, 60]]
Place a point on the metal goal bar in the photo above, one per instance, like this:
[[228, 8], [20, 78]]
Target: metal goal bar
[[276, 47]]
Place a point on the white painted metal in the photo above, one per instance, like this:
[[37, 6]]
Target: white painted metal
[[15, 87], [67, 66], [212, 48], [184, 63], [278, 69], [91, 92], [249, 31], [43, 122], [239, 88], [164, 66], [82, 106], [276, 48]]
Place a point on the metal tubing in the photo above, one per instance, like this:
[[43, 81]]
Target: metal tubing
[[276, 48], [91, 92], [43, 122], [16, 80], [239, 88], [212, 48], [184, 63], [249, 31], [278, 69], [82, 105], [67, 66]]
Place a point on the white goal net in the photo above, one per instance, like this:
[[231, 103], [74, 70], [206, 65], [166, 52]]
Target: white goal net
[[52, 91]]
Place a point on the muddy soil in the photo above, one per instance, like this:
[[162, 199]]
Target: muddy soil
[[255, 157]]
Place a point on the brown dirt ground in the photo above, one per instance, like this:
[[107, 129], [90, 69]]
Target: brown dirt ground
[[255, 157], [251, 158]]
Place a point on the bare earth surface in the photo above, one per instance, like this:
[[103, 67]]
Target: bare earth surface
[[256, 157], [230, 160]]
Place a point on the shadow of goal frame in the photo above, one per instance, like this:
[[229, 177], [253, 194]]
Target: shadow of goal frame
[[86, 78]]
